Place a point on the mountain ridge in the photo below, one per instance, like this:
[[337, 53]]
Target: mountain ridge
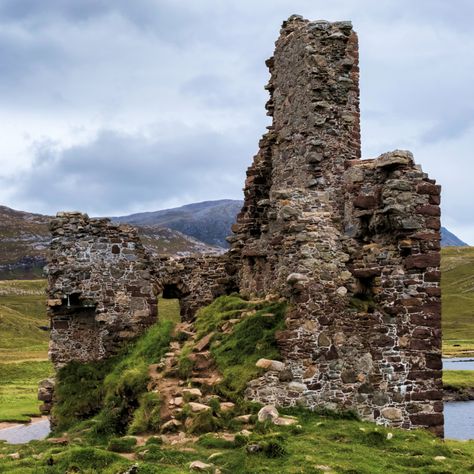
[[193, 228]]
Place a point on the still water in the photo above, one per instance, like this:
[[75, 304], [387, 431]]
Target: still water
[[459, 416], [459, 420], [20, 434], [458, 363]]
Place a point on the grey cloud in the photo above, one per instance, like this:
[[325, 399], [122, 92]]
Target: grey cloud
[[123, 65], [117, 172]]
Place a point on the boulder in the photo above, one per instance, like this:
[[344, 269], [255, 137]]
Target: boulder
[[269, 364], [198, 407], [268, 412], [200, 466]]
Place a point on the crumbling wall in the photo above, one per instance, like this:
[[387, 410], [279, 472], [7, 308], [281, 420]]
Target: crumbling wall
[[100, 288], [353, 245], [196, 281], [103, 286]]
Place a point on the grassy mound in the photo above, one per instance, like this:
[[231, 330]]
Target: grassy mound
[[112, 389], [252, 337]]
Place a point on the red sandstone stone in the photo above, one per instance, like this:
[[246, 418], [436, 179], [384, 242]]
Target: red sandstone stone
[[423, 260]]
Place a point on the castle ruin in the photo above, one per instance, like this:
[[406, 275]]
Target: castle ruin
[[352, 244]]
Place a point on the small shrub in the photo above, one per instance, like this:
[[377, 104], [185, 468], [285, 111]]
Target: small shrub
[[374, 438], [240, 440], [215, 405], [147, 415], [122, 445], [204, 422], [154, 440], [210, 441], [274, 449]]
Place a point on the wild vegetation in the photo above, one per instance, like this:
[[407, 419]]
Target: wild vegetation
[[113, 421]]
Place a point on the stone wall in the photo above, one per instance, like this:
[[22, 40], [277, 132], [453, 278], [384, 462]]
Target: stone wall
[[103, 286], [354, 245], [100, 288], [195, 281]]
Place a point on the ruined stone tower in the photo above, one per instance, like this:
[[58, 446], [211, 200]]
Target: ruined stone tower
[[352, 244]]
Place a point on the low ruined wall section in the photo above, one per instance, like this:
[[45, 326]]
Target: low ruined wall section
[[100, 288]]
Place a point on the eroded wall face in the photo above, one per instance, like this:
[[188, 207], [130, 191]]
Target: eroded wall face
[[353, 244], [100, 289], [196, 281]]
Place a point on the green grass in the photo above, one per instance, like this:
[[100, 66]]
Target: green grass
[[457, 284], [252, 338], [319, 443], [19, 387], [23, 348], [236, 352], [458, 379], [168, 310], [22, 315], [112, 389]]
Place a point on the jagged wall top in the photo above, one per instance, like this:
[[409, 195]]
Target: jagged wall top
[[100, 287]]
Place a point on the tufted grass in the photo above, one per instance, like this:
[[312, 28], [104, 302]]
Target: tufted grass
[[319, 444], [112, 389]]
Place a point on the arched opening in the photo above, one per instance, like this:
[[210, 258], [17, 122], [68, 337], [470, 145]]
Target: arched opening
[[169, 303]]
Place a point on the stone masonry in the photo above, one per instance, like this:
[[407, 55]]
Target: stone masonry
[[100, 288], [196, 281], [352, 244], [103, 287]]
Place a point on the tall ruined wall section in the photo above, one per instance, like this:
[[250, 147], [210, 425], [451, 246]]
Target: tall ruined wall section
[[100, 288], [353, 245]]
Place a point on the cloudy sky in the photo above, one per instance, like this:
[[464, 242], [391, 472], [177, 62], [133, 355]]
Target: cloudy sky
[[119, 106]]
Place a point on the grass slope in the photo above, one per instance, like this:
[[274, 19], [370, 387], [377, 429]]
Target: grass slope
[[98, 403], [23, 320], [19, 387], [23, 347], [457, 283]]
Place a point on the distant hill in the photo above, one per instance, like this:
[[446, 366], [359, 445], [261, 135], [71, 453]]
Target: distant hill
[[25, 237], [194, 228], [448, 239], [208, 221]]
